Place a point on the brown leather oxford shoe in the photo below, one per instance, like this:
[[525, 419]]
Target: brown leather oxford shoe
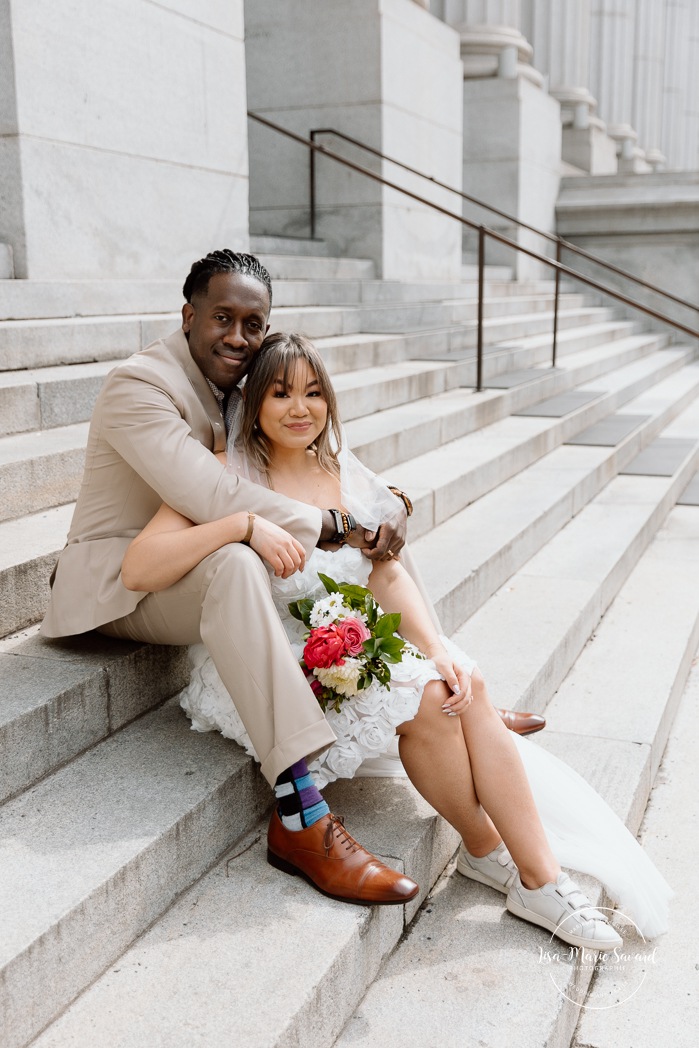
[[522, 723], [333, 862]]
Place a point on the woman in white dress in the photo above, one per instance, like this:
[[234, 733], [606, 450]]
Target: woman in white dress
[[453, 745]]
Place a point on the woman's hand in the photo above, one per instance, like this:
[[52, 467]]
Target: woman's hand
[[282, 551], [457, 679]]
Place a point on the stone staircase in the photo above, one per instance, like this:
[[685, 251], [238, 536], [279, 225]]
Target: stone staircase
[[138, 908]]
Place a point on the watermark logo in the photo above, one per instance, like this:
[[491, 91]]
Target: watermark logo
[[627, 965]]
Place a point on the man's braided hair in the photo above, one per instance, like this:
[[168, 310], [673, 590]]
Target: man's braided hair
[[225, 261]]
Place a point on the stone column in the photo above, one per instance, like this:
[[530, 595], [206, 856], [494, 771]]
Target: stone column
[[560, 34], [680, 87], [123, 148], [385, 72], [611, 74], [693, 107], [512, 131], [648, 78]]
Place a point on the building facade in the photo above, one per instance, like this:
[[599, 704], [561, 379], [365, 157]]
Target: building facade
[[126, 150]]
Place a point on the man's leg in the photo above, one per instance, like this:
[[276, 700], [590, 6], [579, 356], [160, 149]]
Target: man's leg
[[226, 602]]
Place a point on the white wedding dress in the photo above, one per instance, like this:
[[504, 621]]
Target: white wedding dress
[[585, 835]]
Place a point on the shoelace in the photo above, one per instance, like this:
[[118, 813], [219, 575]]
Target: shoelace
[[336, 827]]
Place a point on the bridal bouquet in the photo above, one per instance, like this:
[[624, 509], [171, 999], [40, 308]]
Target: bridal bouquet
[[349, 643]]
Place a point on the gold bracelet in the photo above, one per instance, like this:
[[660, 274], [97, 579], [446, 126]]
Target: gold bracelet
[[251, 525]]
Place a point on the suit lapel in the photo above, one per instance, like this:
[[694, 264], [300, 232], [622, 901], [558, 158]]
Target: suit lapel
[[179, 347]]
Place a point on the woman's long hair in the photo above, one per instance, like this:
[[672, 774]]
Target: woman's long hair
[[276, 358]]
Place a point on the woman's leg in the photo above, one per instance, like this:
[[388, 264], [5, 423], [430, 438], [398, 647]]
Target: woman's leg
[[503, 788], [434, 754], [468, 769]]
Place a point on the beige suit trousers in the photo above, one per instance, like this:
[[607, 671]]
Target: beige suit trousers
[[226, 603]]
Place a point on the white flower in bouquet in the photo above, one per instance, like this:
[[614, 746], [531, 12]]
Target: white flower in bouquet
[[329, 609], [343, 679]]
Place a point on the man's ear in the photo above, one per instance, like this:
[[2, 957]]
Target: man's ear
[[266, 330], [187, 314]]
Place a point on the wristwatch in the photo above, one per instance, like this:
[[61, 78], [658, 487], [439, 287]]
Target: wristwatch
[[404, 499]]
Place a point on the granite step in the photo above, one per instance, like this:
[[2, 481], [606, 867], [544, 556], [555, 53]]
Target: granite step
[[462, 949], [296, 281], [258, 919], [59, 698], [77, 340], [36, 343], [29, 548], [97, 851], [146, 988], [41, 469], [48, 397], [44, 397], [594, 554], [403, 433], [670, 818], [301, 247], [473, 552], [444, 481]]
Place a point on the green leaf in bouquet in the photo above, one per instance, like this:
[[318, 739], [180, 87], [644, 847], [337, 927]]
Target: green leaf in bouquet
[[354, 595], [370, 610], [330, 584], [372, 647], [391, 646], [301, 609], [386, 625], [382, 673], [389, 656]]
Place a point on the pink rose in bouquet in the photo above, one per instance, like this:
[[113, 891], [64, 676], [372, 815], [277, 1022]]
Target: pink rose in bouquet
[[354, 633], [325, 647]]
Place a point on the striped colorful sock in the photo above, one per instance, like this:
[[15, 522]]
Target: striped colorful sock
[[300, 802]]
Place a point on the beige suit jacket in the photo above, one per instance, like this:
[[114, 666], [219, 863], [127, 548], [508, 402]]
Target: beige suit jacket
[[152, 432]]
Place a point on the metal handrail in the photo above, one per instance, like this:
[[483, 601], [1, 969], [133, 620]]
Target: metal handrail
[[483, 232], [554, 238]]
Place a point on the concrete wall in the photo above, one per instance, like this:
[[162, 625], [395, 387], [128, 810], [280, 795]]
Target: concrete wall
[[647, 225], [123, 138], [385, 72]]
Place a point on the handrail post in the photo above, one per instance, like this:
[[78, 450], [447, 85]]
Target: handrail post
[[481, 281], [557, 285], [312, 185]]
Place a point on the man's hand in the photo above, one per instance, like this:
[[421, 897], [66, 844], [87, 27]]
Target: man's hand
[[281, 551], [384, 544], [388, 541]]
